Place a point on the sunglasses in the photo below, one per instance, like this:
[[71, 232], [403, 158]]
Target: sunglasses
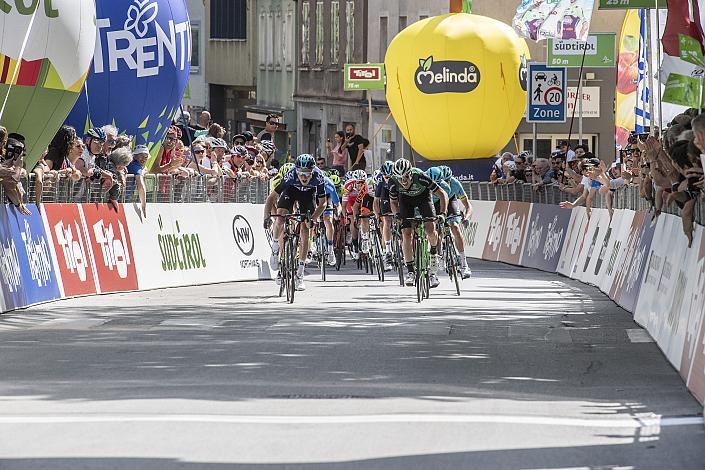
[[273, 123], [305, 174], [169, 139], [239, 142], [198, 151]]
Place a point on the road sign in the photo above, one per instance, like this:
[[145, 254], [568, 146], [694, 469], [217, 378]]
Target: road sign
[[599, 51], [546, 94], [364, 77], [628, 4]]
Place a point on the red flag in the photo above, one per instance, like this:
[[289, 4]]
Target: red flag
[[683, 18]]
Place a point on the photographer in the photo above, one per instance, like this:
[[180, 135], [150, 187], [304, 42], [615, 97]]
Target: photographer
[[12, 172]]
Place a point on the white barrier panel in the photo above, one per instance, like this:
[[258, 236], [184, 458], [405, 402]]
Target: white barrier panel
[[598, 226], [616, 248], [692, 366], [515, 228], [574, 241], [475, 234], [191, 244], [495, 232]]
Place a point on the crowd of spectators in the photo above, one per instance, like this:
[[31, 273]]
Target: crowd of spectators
[[667, 168]]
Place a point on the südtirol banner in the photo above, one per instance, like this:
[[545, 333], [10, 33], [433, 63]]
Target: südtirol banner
[[597, 51], [561, 19]]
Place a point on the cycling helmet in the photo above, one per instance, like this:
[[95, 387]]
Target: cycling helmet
[[359, 175], [305, 161], [335, 179], [286, 168], [435, 173], [96, 133], [268, 146], [348, 176], [446, 172], [376, 174], [387, 168], [333, 171], [371, 186], [240, 150], [402, 167]]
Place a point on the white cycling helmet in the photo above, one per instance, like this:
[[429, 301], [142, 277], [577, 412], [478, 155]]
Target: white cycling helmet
[[371, 186], [359, 175], [402, 167]]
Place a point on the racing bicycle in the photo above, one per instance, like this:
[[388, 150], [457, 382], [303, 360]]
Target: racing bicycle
[[451, 257], [288, 255], [422, 257]]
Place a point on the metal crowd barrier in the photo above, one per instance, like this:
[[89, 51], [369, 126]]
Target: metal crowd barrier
[[159, 188], [627, 197]]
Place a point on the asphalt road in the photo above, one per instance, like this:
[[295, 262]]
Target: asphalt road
[[526, 370]]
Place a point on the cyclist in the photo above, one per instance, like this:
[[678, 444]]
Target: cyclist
[[350, 194], [383, 210], [332, 208], [304, 185], [443, 176], [365, 206], [411, 189], [459, 210]]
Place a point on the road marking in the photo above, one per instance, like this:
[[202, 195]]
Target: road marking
[[630, 423]]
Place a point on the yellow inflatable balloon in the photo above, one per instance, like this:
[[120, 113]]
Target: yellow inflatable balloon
[[456, 85]]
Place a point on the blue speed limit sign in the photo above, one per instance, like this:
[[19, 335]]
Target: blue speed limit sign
[[546, 94]]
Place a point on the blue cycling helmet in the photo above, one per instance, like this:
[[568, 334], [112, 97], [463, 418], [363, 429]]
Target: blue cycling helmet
[[96, 133], [446, 172], [387, 168], [305, 161], [435, 173]]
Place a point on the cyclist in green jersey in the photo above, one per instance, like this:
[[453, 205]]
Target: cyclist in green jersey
[[411, 189]]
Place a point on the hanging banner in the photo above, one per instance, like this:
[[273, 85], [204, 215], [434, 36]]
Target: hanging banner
[[599, 51], [629, 4], [561, 19], [627, 77]]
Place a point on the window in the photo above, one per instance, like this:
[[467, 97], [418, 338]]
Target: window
[[262, 25], [402, 23], [350, 31], [289, 39], [319, 32], [270, 43], [382, 37], [335, 32], [195, 48], [305, 32], [228, 19], [422, 17], [277, 40]]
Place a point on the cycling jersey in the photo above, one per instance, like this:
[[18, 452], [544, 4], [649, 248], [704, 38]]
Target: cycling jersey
[[291, 190], [420, 184], [331, 192], [445, 187], [456, 189]]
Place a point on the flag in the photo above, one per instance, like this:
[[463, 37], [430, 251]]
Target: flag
[[627, 77], [643, 118], [560, 19], [682, 44]]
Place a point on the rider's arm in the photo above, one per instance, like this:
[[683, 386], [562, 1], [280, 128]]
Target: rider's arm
[[443, 197], [322, 202]]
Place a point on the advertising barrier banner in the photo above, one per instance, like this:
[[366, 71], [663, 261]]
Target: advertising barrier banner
[[615, 252], [74, 257], [574, 241], [512, 242], [635, 262], [475, 234], [545, 236], [495, 232], [692, 367], [599, 228], [26, 261], [111, 246]]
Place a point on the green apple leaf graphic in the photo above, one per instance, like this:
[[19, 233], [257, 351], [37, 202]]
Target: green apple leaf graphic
[[426, 64]]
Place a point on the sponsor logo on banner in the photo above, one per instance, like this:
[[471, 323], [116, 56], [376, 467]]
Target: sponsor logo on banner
[[26, 266], [112, 248], [72, 248], [446, 76], [494, 236], [180, 251], [692, 367], [632, 281], [546, 234], [513, 236], [243, 235]]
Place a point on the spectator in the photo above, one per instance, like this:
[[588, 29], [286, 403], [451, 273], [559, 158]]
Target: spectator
[[55, 162], [91, 164], [239, 139], [338, 153], [216, 130], [497, 174], [267, 150], [111, 134], [12, 172], [249, 138], [137, 168], [542, 175], [518, 175], [259, 169], [166, 161], [565, 151], [3, 140], [557, 169], [117, 165], [123, 141], [204, 120], [321, 163], [356, 146], [239, 161], [270, 128]]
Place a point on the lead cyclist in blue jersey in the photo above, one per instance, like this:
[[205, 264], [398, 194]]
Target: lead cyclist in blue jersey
[[459, 209], [304, 184]]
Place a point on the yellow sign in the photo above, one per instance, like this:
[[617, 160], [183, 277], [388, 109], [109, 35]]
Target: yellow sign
[[456, 85]]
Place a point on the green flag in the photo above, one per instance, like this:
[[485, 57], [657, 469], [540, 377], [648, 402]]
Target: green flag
[[467, 6], [690, 51], [682, 90]]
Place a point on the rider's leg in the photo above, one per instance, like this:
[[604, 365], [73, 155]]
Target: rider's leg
[[407, 248], [303, 248], [330, 233], [387, 233]]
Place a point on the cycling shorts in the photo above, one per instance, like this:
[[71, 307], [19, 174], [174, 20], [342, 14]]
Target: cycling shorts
[[408, 205], [292, 195], [456, 210]]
